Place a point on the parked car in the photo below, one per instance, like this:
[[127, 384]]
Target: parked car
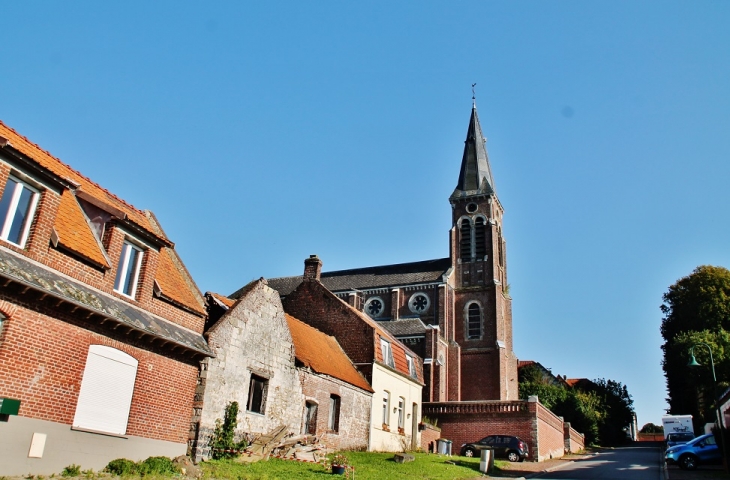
[[690, 455], [678, 438], [504, 446]]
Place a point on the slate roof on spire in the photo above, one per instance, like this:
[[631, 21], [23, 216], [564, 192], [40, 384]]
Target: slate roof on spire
[[475, 176]]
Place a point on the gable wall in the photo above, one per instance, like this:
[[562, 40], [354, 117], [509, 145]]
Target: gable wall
[[309, 304], [252, 337]]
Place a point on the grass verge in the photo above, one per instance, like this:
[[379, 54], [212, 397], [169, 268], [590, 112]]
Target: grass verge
[[367, 465]]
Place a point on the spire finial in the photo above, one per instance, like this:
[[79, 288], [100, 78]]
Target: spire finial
[[473, 95]]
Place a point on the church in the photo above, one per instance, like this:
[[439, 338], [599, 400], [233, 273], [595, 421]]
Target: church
[[455, 312]]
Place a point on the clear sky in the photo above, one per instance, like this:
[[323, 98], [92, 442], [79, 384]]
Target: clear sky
[[262, 132]]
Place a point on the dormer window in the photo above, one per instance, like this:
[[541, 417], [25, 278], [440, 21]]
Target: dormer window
[[411, 366], [17, 207], [387, 353], [130, 264]]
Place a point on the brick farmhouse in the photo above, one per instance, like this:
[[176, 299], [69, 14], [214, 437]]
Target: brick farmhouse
[[100, 324]]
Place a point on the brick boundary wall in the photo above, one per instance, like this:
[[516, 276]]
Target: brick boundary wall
[[464, 422], [650, 437], [574, 440], [550, 438], [429, 435]]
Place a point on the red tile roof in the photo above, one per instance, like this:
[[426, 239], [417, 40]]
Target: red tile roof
[[172, 283], [74, 232], [323, 354], [224, 300], [48, 161]]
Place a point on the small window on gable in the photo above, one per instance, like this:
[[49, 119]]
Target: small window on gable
[[333, 421], [17, 207], [257, 394], [387, 353], [130, 264], [474, 321], [106, 391]]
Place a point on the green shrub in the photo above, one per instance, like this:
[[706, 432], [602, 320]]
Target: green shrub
[[223, 436], [72, 470], [121, 467], [156, 466]]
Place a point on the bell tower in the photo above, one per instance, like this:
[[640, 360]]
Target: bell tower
[[482, 320]]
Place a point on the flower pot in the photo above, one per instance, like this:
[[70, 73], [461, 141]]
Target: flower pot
[[338, 469]]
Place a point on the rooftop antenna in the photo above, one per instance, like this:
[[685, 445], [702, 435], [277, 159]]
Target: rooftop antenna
[[473, 95]]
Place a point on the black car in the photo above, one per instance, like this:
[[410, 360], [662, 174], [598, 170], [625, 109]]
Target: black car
[[504, 446]]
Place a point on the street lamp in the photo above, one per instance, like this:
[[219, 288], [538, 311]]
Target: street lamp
[[694, 363]]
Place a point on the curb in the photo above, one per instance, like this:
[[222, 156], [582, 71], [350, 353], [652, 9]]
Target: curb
[[551, 469]]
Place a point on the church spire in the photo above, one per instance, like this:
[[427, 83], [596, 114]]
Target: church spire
[[475, 177]]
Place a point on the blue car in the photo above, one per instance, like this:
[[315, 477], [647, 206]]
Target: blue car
[[688, 456]]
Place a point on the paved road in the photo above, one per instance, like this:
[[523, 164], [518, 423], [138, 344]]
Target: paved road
[[626, 463]]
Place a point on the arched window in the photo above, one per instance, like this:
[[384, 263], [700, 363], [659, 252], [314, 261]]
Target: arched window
[[480, 238], [473, 321], [465, 240]]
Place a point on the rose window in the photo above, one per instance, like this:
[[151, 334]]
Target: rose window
[[374, 307], [419, 303]]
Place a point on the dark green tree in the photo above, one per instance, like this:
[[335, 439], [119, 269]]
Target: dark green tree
[[616, 411], [696, 310], [651, 428]]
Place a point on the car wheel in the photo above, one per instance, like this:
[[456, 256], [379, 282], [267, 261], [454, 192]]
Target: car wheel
[[513, 456], [688, 462], [469, 452]]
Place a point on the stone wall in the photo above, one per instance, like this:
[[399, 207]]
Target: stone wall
[[252, 338], [354, 418]]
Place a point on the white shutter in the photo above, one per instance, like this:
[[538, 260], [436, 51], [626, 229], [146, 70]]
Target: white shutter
[[106, 391]]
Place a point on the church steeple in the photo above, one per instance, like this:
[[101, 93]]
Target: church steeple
[[475, 177]]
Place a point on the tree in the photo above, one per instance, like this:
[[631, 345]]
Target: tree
[[616, 410], [651, 428], [696, 310]]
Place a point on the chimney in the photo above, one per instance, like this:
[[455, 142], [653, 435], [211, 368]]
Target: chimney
[[312, 268]]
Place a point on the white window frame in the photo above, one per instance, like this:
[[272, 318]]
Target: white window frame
[[107, 387], [13, 210], [401, 415], [387, 351], [123, 269], [386, 408]]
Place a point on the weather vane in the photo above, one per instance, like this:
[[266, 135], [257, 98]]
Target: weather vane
[[473, 95]]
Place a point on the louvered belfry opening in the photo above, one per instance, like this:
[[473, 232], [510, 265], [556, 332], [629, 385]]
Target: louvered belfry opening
[[480, 238], [465, 241]]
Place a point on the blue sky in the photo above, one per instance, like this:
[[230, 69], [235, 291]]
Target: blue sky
[[262, 132]]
